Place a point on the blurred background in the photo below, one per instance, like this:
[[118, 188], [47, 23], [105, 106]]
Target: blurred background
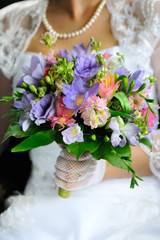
[[14, 168]]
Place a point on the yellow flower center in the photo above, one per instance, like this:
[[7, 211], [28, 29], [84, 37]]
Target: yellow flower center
[[109, 81], [73, 132], [136, 101], [79, 99]]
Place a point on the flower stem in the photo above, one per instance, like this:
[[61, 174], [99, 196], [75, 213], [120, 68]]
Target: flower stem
[[64, 193]]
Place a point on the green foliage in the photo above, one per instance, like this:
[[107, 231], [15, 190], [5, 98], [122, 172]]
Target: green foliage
[[122, 114], [15, 130], [107, 152], [146, 142], [124, 101], [6, 99], [78, 148], [38, 139], [131, 86]]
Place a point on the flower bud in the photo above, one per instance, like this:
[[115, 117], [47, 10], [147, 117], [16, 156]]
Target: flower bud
[[48, 80], [33, 89], [24, 85], [93, 137], [106, 138]]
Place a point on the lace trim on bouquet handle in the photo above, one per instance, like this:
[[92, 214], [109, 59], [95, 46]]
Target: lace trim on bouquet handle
[[72, 174], [18, 24]]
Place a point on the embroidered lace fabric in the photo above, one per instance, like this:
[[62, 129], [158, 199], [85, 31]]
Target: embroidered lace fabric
[[18, 24], [136, 25]]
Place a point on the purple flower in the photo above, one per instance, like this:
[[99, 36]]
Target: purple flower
[[77, 50], [35, 72], [78, 93], [72, 134], [43, 109], [26, 105], [123, 132], [86, 66], [121, 71], [138, 76]]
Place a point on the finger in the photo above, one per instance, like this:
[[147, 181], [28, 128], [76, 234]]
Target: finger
[[72, 185], [73, 177], [74, 166]]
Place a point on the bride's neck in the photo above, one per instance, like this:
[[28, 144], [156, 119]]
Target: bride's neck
[[76, 8]]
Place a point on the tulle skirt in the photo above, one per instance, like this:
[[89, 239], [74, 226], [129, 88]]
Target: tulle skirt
[[107, 211]]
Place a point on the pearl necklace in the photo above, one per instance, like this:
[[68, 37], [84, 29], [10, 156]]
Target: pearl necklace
[[75, 33]]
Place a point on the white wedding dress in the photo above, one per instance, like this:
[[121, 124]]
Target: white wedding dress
[[109, 210]]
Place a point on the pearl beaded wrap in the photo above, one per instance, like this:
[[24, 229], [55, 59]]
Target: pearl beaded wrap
[[75, 33]]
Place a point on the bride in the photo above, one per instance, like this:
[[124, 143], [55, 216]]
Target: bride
[[107, 209]]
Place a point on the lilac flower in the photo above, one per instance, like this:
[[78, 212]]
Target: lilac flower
[[121, 71], [35, 72], [43, 109], [138, 76], [77, 50], [122, 133], [86, 66], [72, 134], [26, 105], [78, 93]]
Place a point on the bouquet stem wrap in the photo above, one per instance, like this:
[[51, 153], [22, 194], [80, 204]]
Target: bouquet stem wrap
[[72, 174], [64, 193]]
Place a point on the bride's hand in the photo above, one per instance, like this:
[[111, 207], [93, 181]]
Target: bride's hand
[[72, 174]]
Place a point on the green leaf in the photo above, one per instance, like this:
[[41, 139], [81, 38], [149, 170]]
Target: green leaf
[[105, 151], [149, 100], [78, 148], [123, 152], [146, 142], [121, 96], [38, 139], [124, 82], [133, 182], [117, 113], [6, 99], [15, 130]]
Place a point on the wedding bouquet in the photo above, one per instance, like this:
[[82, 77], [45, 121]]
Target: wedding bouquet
[[85, 101]]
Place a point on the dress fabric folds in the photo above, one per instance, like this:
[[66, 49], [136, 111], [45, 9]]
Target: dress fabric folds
[[109, 210]]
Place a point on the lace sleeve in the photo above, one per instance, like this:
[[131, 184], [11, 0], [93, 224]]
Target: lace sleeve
[[135, 20], [18, 24]]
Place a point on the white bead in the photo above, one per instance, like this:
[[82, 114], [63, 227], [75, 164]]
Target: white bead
[[78, 32], [73, 34], [69, 35], [65, 35], [60, 35]]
